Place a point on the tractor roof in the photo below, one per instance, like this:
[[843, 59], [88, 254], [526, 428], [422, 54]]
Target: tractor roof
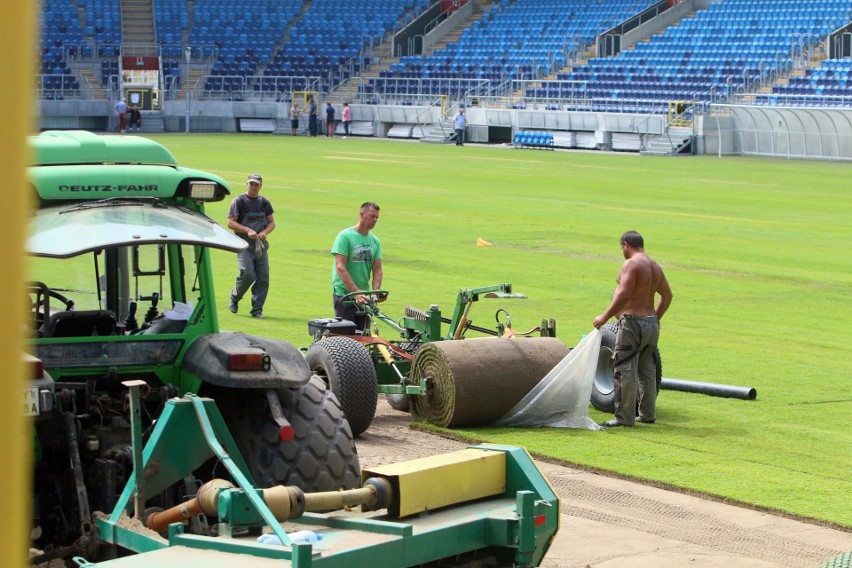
[[112, 191], [76, 165], [54, 147], [97, 225]]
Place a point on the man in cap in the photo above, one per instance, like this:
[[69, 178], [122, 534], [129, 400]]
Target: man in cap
[[251, 218]]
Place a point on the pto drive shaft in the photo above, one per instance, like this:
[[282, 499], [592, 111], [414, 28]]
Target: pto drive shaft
[[285, 502]]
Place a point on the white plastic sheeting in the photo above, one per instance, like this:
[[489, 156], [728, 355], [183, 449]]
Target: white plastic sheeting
[[561, 399]]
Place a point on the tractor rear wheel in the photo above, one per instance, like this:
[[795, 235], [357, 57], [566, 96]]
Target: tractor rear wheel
[[348, 369], [321, 456], [603, 390]]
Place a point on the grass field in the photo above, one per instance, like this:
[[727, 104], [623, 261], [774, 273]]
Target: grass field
[[757, 253]]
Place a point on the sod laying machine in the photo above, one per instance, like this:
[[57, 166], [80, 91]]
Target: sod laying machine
[[429, 370]]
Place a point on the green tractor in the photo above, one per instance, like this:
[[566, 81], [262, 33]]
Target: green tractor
[[357, 375], [122, 290]]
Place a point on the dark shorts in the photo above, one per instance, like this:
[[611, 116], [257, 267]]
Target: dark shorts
[[349, 312], [294, 124]]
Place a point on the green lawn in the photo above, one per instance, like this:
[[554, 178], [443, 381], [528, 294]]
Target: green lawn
[[757, 253]]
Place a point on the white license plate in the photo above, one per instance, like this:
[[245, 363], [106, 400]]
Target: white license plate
[[31, 401]]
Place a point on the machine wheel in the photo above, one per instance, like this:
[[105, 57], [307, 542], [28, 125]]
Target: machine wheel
[[321, 456], [348, 369], [400, 402], [603, 390]]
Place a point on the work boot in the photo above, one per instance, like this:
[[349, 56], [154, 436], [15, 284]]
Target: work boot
[[232, 305]]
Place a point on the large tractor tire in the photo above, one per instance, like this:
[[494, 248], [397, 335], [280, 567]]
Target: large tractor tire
[[603, 390], [348, 369], [321, 456]]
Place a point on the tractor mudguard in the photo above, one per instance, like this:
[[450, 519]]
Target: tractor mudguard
[[207, 358]]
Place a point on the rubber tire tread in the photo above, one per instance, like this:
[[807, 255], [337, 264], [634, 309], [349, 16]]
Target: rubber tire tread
[[321, 457], [605, 401], [350, 372]]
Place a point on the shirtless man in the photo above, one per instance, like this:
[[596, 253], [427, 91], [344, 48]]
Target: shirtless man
[[634, 369]]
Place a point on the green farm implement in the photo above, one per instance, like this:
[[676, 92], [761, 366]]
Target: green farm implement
[[428, 371], [391, 367], [483, 506]]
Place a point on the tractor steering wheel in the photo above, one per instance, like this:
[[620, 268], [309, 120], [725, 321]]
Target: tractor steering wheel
[[39, 296]]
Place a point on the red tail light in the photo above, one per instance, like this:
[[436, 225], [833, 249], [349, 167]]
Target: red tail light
[[248, 362], [539, 520], [36, 365]]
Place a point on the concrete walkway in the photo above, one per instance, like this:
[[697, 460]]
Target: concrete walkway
[[612, 523]]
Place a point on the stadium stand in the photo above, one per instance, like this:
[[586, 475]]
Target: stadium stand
[[327, 41], [103, 19], [521, 39], [171, 22], [240, 35], [62, 36], [524, 57], [722, 51], [833, 78], [279, 47]]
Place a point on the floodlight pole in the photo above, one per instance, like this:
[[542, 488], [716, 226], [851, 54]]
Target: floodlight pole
[[188, 53]]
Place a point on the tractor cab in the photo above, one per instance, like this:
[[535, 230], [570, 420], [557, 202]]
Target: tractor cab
[[121, 275]]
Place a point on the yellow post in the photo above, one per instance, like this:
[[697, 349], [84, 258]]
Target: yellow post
[[445, 104], [18, 41]]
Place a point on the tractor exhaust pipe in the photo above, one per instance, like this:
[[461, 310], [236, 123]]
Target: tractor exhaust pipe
[[711, 389]]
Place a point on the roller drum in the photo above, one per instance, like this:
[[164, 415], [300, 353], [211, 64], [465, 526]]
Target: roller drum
[[474, 382]]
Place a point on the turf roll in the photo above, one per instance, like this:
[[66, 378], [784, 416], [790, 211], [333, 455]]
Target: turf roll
[[473, 382]]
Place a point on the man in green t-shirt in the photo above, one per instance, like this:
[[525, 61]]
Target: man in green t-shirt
[[357, 255]]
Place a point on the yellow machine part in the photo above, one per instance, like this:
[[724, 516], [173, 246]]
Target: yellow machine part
[[439, 481]]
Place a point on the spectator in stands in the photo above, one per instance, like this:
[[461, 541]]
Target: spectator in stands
[[357, 265], [346, 118], [459, 123], [294, 118], [121, 111], [312, 117], [135, 118], [329, 120], [250, 217]]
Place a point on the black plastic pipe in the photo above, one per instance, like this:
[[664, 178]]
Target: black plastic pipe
[[711, 389]]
